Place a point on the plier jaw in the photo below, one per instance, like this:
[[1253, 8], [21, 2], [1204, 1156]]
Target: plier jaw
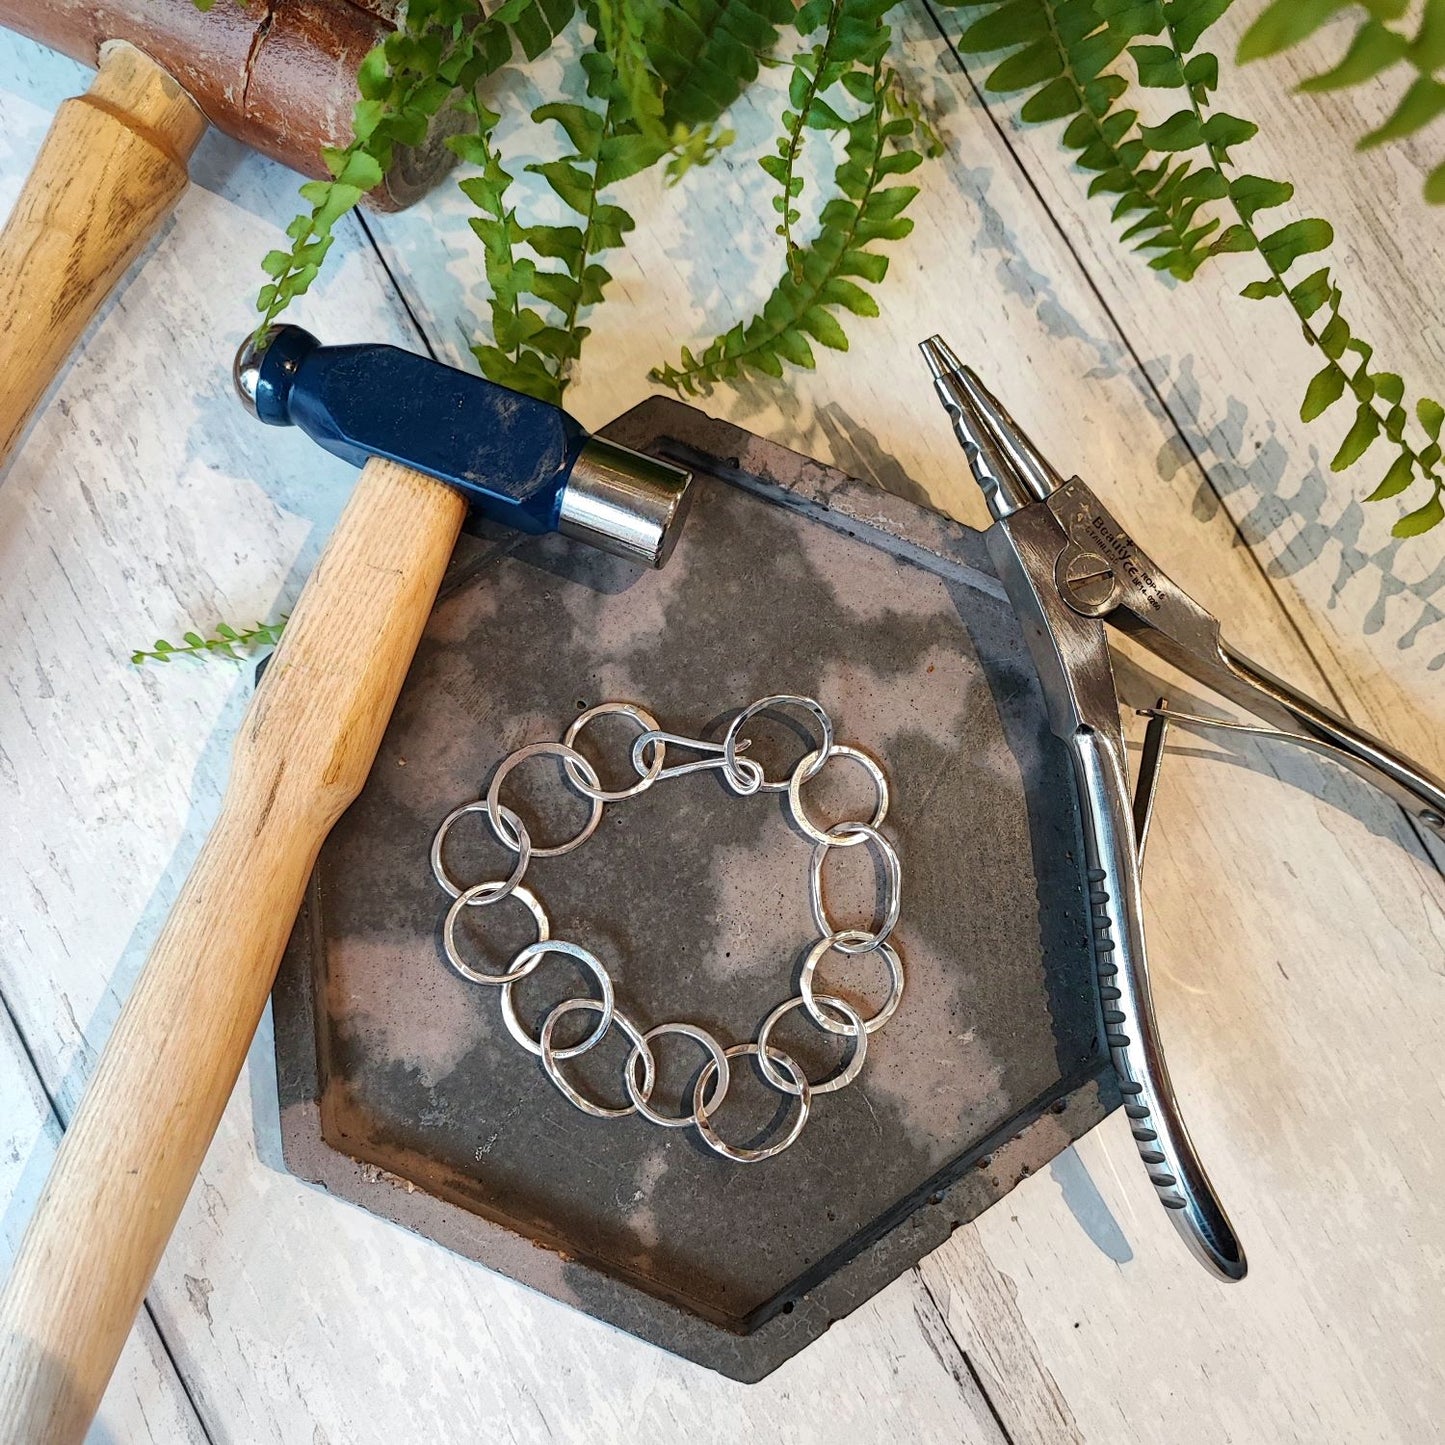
[[1069, 568], [1011, 472], [1096, 569]]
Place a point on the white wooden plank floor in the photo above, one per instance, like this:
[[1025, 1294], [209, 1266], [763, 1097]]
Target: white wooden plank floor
[[1298, 924]]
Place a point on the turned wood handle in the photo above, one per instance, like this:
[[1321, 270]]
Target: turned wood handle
[[137, 1140], [108, 174]]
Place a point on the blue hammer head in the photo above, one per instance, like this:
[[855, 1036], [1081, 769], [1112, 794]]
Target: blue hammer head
[[518, 461]]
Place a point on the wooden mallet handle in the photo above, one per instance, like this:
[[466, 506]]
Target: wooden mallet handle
[[111, 169], [137, 1140]]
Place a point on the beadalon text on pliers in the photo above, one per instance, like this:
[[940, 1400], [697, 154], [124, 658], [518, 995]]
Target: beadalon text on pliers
[[1069, 568]]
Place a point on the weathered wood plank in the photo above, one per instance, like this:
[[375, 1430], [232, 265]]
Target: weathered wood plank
[[981, 1306], [1281, 1092], [146, 1399]]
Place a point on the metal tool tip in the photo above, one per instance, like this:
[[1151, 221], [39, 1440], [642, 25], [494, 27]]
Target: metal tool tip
[[246, 372], [265, 368], [940, 358]]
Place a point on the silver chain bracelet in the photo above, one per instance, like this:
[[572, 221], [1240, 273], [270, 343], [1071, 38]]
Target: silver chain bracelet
[[745, 778]]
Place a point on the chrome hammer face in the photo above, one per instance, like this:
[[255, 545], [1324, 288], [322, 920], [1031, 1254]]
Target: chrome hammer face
[[518, 461]]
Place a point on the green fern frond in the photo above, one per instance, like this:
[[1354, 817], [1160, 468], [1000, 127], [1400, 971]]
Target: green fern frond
[[227, 641], [707, 52], [1061, 53], [806, 301], [1184, 200], [628, 33], [533, 24], [853, 45], [442, 48], [901, 104], [619, 31], [534, 350], [511, 278], [1375, 48]]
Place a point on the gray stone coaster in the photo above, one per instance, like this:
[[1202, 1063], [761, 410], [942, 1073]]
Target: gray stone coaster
[[400, 1087]]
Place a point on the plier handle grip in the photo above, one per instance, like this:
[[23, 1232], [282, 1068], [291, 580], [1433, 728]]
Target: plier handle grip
[[1069, 568]]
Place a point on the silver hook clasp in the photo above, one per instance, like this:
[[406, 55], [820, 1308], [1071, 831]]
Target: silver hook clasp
[[747, 779]]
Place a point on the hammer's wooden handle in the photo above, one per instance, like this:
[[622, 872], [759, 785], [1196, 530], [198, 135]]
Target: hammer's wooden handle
[[137, 1140], [108, 174]]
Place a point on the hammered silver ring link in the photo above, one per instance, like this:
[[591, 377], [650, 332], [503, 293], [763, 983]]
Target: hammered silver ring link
[[573, 759], [551, 1060], [649, 772], [523, 849], [745, 777], [886, 952], [801, 776], [844, 1076], [484, 894], [640, 1096], [811, 765], [751, 1156], [838, 836], [524, 963]]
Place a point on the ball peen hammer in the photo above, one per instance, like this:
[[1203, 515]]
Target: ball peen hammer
[[432, 441], [280, 77]]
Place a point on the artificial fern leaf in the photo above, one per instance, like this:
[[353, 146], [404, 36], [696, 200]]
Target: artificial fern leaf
[[1285, 23], [1325, 389], [532, 349], [1358, 439], [624, 28], [227, 642], [535, 23], [512, 358], [1420, 104], [1395, 481], [1185, 20], [1158, 66], [1309, 295], [620, 25], [901, 104], [1284, 247], [1252, 194], [1375, 48], [1412, 524], [1132, 162]]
